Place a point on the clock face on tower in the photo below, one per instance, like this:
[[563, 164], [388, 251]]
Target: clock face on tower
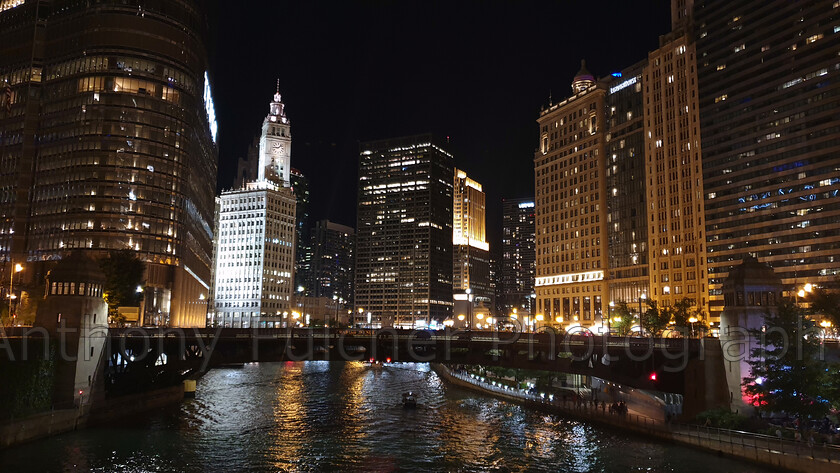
[[277, 148]]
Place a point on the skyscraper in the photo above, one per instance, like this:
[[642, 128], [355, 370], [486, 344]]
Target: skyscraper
[[627, 218], [471, 262], [303, 249], [332, 266], [255, 246], [518, 265], [570, 204], [769, 81], [404, 231], [109, 142], [673, 172]]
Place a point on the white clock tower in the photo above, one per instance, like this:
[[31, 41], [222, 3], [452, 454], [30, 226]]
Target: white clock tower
[[275, 144]]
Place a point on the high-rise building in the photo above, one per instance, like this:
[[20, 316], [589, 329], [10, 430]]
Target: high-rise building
[[255, 246], [570, 204], [332, 261], [404, 231], [769, 89], [676, 229], [109, 142], [303, 250], [471, 261], [518, 265], [627, 218], [254, 257]]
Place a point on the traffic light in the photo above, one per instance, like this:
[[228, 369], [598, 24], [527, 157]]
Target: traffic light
[[652, 376]]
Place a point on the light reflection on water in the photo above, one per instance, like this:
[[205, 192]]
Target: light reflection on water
[[321, 416]]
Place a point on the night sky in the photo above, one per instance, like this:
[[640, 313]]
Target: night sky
[[476, 72]]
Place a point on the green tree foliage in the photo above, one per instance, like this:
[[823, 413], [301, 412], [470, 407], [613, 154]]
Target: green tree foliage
[[625, 318], [656, 317], [123, 274], [786, 374], [826, 303]]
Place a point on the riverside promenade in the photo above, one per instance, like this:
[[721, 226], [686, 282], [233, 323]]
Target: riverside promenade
[[783, 454]]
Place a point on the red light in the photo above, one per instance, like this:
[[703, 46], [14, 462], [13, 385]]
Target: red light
[[388, 360], [371, 360], [653, 376]]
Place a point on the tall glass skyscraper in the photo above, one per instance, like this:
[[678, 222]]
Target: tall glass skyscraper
[[518, 264], [109, 142]]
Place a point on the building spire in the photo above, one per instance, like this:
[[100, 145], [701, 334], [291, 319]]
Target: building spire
[[278, 86]]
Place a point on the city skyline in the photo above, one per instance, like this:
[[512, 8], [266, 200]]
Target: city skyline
[[332, 79]]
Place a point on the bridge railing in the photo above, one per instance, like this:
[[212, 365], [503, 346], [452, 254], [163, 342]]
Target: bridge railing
[[730, 440]]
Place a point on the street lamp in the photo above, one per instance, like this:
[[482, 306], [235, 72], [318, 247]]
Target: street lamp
[[469, 308], [18, 268], [692, 321], [609, 316], [641, 327]]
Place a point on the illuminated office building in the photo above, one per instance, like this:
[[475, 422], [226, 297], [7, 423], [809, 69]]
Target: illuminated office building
[[255, 257], [769, 80], [518, 264], [627, 218], [673, 169], [404, 231], [109, 143], [471, 262], [255, 246], [332, 264], [571, 234], [303, 249]]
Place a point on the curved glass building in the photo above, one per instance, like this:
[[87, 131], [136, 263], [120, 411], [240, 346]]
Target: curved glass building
[[108, 142]]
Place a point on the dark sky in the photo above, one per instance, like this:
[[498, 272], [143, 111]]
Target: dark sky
[[477, 72]]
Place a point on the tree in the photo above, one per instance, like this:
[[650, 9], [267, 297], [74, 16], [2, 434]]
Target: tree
[[123, 275], [656, 317], [785, 372], [625, 318], [826, 303]]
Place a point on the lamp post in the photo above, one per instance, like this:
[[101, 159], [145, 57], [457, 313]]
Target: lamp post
[[361, 312], [469, 308], [641, 327], [17, 268], [609, 316], [692, 321]]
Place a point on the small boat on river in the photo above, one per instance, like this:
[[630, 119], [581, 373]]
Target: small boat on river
[[409, 400]]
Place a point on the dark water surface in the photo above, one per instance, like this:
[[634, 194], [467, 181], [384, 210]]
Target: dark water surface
[[321, 416]]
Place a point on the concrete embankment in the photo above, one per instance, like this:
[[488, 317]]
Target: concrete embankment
[[56, 422], [763, 450]]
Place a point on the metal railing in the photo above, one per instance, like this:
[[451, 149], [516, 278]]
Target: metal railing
[[747, 444]]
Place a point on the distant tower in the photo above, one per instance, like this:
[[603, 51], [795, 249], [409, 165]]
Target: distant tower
[[275, 148], [583, 79], [253, 279], [518, 264], [471, 252]]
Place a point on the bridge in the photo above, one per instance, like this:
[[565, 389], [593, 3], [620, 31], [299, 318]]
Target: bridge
[[141, 359], [143, 356]]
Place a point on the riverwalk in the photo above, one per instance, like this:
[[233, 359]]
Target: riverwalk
[[779, 453]]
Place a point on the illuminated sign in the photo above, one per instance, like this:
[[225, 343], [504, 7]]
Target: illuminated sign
[[570, 278], [526, 205], [623, 85], [208, 106]]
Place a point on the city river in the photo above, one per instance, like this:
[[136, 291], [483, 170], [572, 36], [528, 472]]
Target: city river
[[321, 416]]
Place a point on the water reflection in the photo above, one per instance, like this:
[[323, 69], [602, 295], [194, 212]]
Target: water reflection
[[321, 416]]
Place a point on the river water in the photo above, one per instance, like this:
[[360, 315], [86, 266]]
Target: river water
[[322, 416]]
